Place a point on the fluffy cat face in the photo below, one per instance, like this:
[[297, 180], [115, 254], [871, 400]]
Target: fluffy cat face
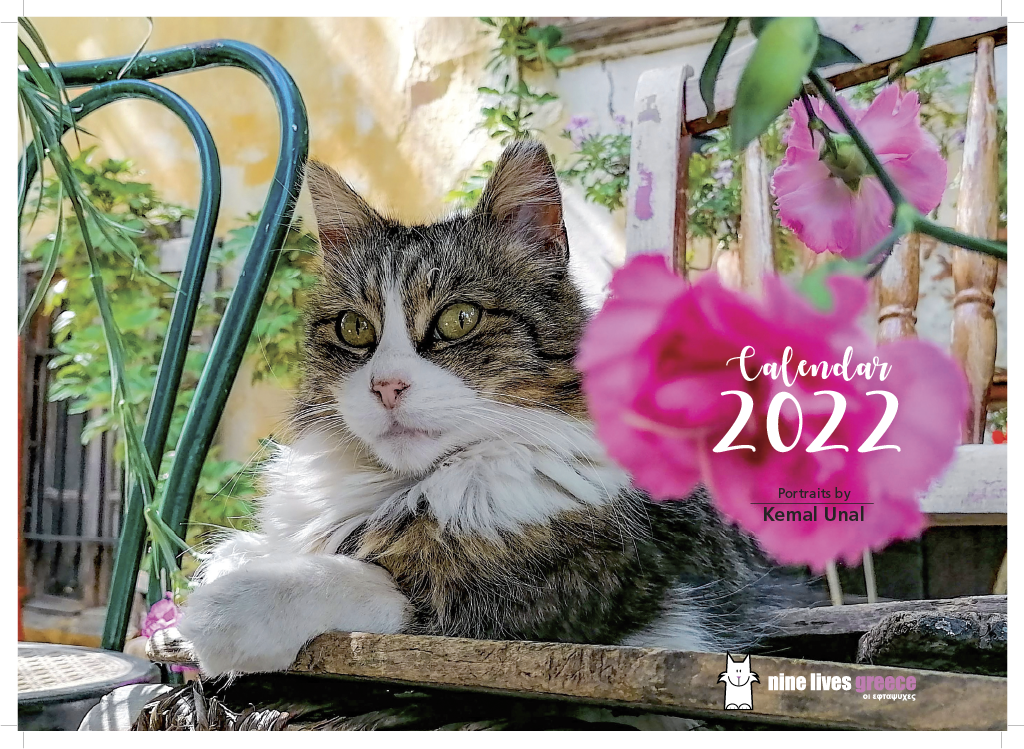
[[422, 340]]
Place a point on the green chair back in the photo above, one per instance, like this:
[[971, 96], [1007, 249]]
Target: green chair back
[[110, 82]]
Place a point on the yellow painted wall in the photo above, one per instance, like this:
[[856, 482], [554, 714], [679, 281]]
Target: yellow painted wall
[[386, 101]]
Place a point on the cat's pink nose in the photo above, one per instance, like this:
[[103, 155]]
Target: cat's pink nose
[[389, 391]]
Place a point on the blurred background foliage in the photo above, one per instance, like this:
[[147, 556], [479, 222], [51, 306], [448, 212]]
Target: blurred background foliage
[[141, 306]]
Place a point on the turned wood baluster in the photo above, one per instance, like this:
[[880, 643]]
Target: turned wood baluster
[[898, 284], [757, 255], [974, 274]]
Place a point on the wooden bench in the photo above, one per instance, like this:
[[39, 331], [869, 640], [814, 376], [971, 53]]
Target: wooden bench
[[654, 680]]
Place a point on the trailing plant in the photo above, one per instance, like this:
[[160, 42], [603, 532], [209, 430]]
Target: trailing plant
[[45, 113], [715, 173], [521, 46], [600, 163], [790, 50], [141, 307]]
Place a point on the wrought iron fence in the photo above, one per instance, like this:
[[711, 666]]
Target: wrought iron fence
[[73, 492]]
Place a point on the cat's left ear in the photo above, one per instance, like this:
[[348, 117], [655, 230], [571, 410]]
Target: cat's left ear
[[522, 195]]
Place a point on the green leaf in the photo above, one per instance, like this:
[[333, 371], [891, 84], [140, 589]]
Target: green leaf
[[698, 143], [772, 77], [41, 79], [814, 285], [558, 55], [832, 52], [551, 35], [53, 70], [49, 267], [758, 23], [709, 75]]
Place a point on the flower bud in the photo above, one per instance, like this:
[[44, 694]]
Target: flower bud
[[842, 157]]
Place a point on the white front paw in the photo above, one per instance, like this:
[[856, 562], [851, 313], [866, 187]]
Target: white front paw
[[259, 616], [235, 624]]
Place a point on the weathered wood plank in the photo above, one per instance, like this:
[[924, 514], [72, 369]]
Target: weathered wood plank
[[956, 641], [860, 617], [948, 41], [167, 645], [974, 274], [660, 680], [975, 484], [672, 682]]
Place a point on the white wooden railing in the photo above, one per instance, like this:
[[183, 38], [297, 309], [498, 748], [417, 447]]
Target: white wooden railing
[[973, 491]]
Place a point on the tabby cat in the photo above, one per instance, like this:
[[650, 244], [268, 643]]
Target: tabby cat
[[444, 478]]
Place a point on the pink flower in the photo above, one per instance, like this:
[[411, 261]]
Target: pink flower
[[822, 209], [162, 614], [654, 361], [578, 129]]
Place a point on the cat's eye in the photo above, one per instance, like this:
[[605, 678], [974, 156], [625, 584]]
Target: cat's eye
[[355, 330], [457, 320]]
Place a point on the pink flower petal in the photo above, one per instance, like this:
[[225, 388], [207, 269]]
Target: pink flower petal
[[826, 214], [921, 177], [658, 407], [161, 615], [873, 217], [818, 207]]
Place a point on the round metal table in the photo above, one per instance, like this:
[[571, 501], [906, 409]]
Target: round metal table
[[59, 684]]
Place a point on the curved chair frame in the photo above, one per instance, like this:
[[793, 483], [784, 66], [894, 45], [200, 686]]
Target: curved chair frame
[[110, 84]]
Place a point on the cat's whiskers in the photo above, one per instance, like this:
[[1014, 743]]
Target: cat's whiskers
[[495, 396], [542, 431]]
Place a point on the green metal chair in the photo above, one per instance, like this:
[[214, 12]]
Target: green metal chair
[[110, 82]]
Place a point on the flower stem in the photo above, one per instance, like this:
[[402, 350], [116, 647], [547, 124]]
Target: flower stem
[[878, 254], [833, 103], [905, 217], [951, 236], [814, 122]]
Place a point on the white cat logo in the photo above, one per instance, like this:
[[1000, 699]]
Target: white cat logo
[[738, 680]]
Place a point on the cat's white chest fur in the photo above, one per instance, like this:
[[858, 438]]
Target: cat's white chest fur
[[264, 593], [319, 492]]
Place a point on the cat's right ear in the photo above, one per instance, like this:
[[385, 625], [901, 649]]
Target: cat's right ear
[[341, 215], [522, 195]]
